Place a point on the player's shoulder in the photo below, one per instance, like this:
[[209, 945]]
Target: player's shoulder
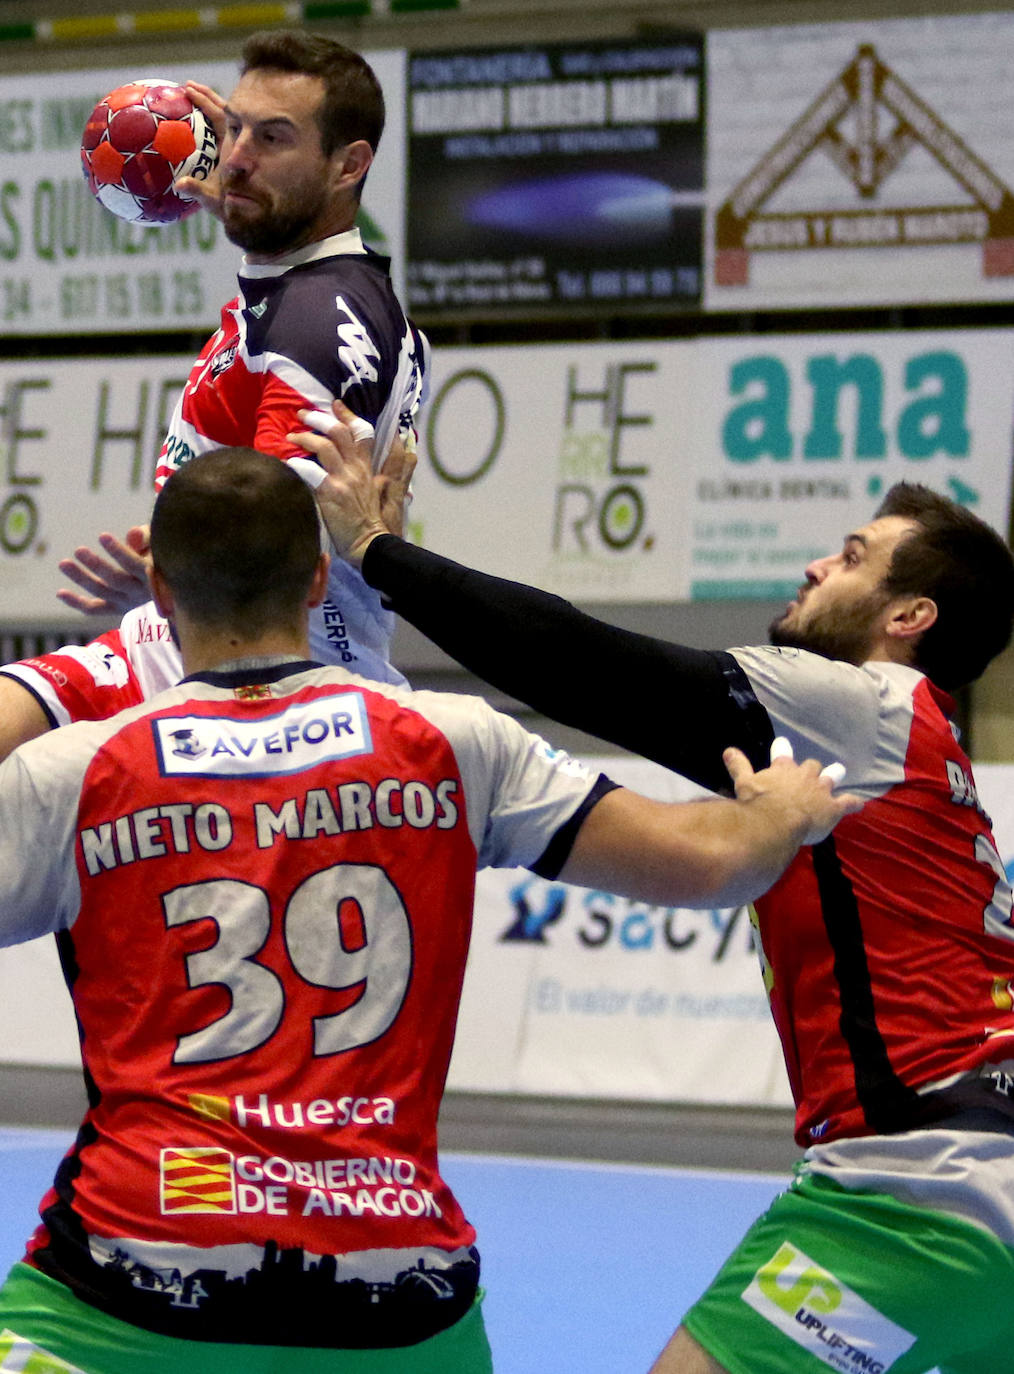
[[861, 715], [804, 670], [355, 278], [467, 723], [318, 316]]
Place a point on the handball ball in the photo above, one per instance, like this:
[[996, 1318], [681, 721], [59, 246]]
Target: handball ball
[[138, 140]]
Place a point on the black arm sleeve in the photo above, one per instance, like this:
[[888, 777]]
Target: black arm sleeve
[[677, 706]]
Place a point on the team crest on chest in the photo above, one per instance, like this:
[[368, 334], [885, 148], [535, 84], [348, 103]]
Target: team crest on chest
[[222, 361]]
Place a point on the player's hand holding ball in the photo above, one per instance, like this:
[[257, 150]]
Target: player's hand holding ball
[[148, 147]]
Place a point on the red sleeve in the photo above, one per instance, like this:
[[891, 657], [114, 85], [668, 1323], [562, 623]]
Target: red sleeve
[[277, 416], [80, 682]]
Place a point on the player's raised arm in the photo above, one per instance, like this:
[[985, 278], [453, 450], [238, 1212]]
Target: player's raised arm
[[532, 644], [715, 852]]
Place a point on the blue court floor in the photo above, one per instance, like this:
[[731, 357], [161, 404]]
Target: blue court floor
[[587, 1267]]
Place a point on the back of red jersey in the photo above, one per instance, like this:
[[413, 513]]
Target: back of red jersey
[[275, 901]]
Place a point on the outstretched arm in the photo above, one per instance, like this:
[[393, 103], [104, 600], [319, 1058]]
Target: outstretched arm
[[675, 705], [708, 853]]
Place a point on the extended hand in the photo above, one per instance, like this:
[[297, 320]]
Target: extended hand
[[112, 585], [803, 788], [208, 192]]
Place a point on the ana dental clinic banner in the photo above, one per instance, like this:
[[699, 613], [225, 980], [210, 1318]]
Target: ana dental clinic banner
[[568, 992], [67, 266], [861, 163], [797, 437]]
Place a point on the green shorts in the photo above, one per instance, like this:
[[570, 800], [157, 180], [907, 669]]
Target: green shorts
[[45, 1329], [859, 1282]]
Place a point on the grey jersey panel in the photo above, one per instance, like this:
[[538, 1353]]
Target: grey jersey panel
[[831, 710]]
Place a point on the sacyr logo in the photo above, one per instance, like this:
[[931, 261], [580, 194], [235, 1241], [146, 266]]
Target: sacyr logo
[[532, 916]]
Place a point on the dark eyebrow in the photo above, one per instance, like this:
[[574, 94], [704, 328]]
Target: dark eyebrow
[[856, 539], [283, 120]]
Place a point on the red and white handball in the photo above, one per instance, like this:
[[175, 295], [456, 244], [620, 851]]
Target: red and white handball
[[138, 140]]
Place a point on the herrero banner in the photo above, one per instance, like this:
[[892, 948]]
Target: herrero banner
[[544, 179], [861, 163], [68, 266]]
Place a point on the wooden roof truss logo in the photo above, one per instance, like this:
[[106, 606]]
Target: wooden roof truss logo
[[863, 90]]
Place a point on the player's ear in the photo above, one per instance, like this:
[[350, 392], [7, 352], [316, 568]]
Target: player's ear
[[912, 617], [318, 587], [349, 164], [160, 593]]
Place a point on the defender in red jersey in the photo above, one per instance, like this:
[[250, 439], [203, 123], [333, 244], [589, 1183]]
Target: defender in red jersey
[[262, 881], [888, 950]]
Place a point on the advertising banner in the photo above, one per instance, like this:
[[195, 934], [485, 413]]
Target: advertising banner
[[558, 176], [552, 465], [571, 992], [68, 266], [616, 472], [78, 442], [861, 163], [798, 437], [565, 465]]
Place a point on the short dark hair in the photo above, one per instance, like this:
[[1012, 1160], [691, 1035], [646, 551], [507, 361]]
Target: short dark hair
[[353, 104], [236, 536], [967, 569]]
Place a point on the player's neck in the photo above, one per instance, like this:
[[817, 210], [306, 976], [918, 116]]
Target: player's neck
[[204, 652]]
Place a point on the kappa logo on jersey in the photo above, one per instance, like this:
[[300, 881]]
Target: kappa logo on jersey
[[106, 668], [824, 1315], [196, 1179], [305, 734], [20, 1354], [357, 353]]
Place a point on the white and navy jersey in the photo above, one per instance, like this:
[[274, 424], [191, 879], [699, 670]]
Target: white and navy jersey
[[888, 948], [320, 324], [262, 885]]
